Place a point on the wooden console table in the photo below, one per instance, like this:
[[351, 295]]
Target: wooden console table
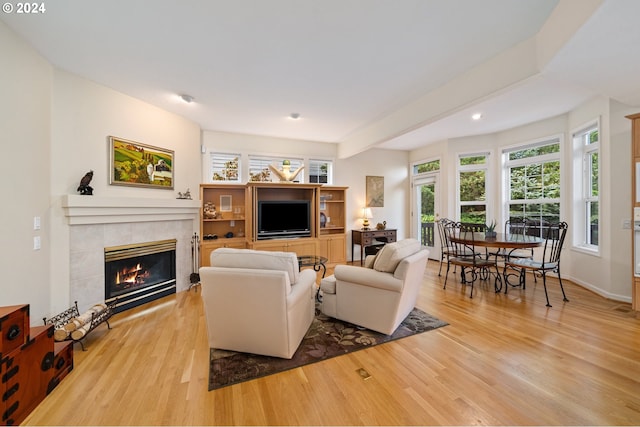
[[366, 238]]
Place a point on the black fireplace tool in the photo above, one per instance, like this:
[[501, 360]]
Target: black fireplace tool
[[194, 277]]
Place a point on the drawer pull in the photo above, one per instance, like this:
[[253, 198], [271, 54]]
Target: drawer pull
[[13, 332], [10, 410], [10, 373], [60, 363], [12, 390], [47, 361]]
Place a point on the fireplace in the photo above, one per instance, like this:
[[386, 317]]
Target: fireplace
[[139, 273]]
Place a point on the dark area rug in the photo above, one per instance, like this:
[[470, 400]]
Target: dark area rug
[[327, 337]]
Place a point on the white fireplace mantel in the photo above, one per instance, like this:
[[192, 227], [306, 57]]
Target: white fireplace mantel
[[81, 210]]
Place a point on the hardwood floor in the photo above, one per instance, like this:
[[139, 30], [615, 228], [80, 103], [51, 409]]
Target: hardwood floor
[[503, 360]]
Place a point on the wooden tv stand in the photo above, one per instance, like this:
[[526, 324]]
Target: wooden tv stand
[[239, 220]]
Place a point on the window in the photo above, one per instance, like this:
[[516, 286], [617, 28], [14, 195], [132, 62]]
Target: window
[[320, 171], [533, 183], [225, 167], [259, 168], [472, 194], [586, 146], [432, 166]]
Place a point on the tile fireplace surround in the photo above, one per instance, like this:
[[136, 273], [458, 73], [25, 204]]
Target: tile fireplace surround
[[99, 222]]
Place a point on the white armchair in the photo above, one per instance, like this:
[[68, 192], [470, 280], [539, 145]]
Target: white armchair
[[380, 295], [257, 301]]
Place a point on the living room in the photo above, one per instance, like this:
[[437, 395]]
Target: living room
[[55, 125], [63, 120]]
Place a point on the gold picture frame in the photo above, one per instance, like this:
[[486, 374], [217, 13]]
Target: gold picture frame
[[140, 165]]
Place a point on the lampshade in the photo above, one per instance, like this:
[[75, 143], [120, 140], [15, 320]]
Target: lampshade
[[366, 214]]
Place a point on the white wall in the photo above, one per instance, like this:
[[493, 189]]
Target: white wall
[[25, 117], [84, 115], [54, 128]]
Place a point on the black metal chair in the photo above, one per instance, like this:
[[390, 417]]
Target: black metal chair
[[445, 247], [516, 227], [473, 265], [554, 235]]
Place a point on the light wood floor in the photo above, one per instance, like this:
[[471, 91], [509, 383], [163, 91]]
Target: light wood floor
[[503, 360]]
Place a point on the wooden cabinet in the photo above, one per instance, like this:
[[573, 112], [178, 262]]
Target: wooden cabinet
[[327, 209], [207, 247], [14, 326], [635, 160], [232, 216], [302, 246], [332, 237], [30, 364], [332, 210], [334, 248]]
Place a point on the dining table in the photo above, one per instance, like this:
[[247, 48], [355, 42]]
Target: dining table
[[506, 241]]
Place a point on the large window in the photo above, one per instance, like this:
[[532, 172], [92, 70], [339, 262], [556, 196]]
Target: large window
[[586, 146], [472, 190], [533, 183]]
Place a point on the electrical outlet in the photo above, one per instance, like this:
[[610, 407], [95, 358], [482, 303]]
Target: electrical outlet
[[36, 223], [36, 243], [626, 224]]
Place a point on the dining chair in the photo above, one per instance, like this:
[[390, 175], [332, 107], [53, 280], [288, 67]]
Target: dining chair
[[445, 246], [473, 265], [475, 227], [516, 228], [554, 235]]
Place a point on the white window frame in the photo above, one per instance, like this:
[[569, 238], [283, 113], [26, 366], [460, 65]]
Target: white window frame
[[319, 162], [473, 168], [276, 161], [545, 158], [216, 162], [582, 180]]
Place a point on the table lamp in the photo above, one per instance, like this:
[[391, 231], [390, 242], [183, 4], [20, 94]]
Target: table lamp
[[366, 214]]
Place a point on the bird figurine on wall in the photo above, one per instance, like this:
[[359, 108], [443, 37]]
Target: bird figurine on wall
[[84, 188], [285, 174]]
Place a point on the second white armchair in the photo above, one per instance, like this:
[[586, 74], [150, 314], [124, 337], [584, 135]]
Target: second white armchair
[[380, 295]]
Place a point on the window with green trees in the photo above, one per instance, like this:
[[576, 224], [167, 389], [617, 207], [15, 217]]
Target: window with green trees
[[533, 174], [426, 167], [472, 178]]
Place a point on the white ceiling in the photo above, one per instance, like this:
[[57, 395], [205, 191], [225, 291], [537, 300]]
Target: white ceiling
[[343, 65]]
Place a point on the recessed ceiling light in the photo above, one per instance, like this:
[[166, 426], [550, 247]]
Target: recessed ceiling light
[[476, 116], [187, 98], [294, 116]]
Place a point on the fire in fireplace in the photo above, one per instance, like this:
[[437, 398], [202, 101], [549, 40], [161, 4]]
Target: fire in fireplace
[[139, 273]]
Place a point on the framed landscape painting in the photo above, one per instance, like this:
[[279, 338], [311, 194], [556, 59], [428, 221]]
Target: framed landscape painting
[[133, 163]]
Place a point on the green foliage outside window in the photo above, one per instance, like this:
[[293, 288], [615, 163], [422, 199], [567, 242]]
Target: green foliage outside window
[[432, 166]]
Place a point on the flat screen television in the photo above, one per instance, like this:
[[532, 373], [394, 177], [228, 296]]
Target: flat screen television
[[284, 218]]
